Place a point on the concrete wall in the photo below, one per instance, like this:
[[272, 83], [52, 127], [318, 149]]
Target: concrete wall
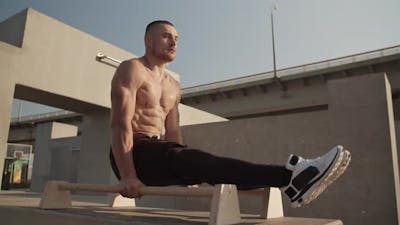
[[256, 101], [359, 116]]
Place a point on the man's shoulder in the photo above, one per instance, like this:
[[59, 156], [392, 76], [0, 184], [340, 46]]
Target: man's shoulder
[[174, 77], [129, 72], [132, 64], [131, 67]]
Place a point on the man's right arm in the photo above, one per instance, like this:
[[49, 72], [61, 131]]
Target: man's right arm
[[125, 84]]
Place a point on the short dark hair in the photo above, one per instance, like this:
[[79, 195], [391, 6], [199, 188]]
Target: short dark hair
[[157, 22]]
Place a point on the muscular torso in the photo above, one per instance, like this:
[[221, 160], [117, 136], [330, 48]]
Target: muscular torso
[[154, 99]]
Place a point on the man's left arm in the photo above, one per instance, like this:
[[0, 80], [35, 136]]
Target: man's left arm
[[172, 129]]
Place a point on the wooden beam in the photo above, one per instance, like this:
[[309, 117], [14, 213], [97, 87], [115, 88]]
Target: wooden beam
[[224, 204]]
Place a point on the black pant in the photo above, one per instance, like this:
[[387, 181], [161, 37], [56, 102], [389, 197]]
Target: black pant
[[162, 163]]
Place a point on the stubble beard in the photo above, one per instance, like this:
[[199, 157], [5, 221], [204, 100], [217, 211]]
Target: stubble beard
[[164, 56]]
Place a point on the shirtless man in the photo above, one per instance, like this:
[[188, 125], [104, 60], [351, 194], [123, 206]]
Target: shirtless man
[[145, 100]]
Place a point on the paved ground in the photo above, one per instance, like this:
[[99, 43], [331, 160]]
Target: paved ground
[[20, 207]]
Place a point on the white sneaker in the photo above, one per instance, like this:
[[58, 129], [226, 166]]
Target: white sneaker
[[310, 177]]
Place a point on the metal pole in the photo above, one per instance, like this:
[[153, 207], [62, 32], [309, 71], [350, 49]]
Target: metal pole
[[101, 56], [276, 78]]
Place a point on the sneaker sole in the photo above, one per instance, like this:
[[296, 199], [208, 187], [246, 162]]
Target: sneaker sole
[[329, 180], [320, 185], [333, 175]]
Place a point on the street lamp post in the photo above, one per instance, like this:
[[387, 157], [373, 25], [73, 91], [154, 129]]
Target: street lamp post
[[276, 78]]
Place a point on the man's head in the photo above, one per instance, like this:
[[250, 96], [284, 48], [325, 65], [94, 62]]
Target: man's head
[[161, 40], [150, 27]]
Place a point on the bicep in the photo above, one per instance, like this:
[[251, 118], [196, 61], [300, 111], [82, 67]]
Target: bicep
[[172, 120], [123, 104], [124, 87]]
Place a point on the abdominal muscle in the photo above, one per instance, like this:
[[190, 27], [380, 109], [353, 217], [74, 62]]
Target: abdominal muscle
[[148, 121]]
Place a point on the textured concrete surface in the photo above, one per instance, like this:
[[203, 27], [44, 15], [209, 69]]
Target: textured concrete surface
[[358, 115], [18, 208]]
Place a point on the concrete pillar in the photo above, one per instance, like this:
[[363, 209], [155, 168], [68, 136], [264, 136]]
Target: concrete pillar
[[361, 115], [42, 162], [6, 93], [94, 166], [65, 158], [397, 127]]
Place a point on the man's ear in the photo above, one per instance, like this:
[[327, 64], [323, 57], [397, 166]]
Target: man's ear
[[147, 41]]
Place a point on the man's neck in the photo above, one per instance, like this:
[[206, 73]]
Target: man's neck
[[153, 64]]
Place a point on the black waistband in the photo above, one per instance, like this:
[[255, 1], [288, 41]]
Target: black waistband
[[145, 136]]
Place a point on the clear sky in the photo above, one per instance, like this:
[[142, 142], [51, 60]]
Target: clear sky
[[224, 39]]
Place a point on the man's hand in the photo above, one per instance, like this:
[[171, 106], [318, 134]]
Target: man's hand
[[130, 187]]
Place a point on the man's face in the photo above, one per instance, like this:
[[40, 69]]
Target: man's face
[[162, 42]]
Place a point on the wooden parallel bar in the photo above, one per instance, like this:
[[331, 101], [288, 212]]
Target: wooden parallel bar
[[161, 191]]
